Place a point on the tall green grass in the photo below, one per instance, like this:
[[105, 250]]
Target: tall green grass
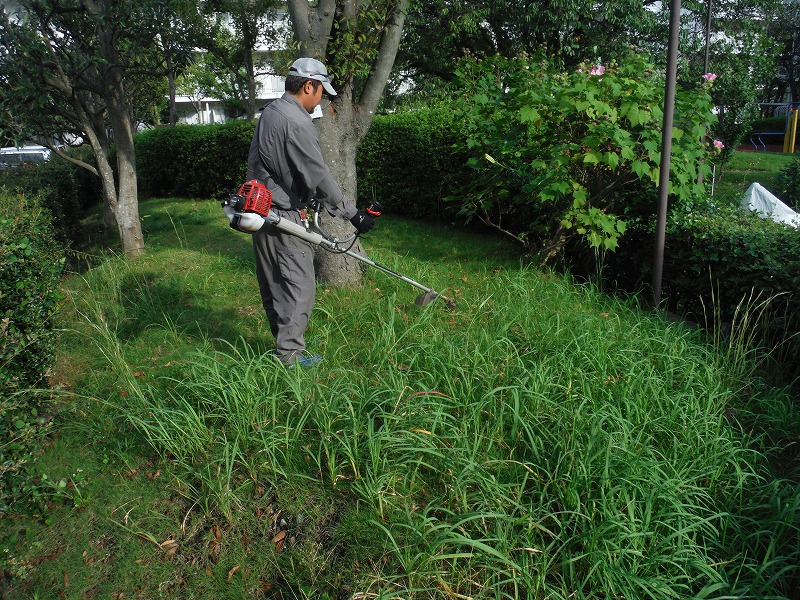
[[540, 441]]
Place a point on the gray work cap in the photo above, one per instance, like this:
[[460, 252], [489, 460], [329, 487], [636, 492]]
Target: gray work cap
[[311, 68]]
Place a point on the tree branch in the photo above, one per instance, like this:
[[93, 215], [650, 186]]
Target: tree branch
[[75, 161], [379, 74], [321, 25], [300, 14]]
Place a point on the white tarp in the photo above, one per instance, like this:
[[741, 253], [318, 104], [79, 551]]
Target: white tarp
[[768, 206]]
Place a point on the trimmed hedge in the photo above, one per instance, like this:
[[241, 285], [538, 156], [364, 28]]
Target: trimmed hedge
[[31, 263], [788, 183], [192, 161], [767, 124], [408, 163], [714, 262]]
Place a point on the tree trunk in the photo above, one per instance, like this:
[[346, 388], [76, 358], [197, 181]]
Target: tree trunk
[[339, 142], [343, 128], [126, 207], [173, 110], [250, 99]]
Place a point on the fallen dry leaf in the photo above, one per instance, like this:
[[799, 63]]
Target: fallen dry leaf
[[214, 549], [232, 571], [278, 540], [278, 537]]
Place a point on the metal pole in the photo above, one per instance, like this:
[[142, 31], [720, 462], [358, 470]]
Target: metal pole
[[708, 35], [666, 146]]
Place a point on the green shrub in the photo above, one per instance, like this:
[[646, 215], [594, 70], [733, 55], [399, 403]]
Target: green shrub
[[715, 265], [199, 160], [31, 262], [771, 125], [63, 188], [407, 161], [768, 124], [789, 184], [575, 155], [736, 250]]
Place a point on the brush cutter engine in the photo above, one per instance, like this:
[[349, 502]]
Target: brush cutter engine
[[247, 208]]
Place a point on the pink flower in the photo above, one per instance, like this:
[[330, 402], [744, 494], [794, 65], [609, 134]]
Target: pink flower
[[597, 70], [718, 144], [709, 77]]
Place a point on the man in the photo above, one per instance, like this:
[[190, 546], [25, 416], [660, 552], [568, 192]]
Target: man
[[285, 156]]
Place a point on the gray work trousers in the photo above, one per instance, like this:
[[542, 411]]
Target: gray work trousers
[[285, 272]]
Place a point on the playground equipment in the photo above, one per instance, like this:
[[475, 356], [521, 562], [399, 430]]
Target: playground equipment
[[789, 133], [791, 130]]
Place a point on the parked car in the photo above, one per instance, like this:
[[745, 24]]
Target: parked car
[[11, 157]]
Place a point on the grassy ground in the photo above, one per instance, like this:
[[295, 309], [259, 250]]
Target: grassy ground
[[746, 168], [540, 441]]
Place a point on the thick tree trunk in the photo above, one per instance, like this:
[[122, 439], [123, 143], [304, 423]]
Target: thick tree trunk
[[126, 207], [339, 143], [342, 130]]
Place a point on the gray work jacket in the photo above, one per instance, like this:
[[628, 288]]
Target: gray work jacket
[[285, 156]]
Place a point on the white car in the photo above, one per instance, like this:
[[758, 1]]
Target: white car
[[11, 157]]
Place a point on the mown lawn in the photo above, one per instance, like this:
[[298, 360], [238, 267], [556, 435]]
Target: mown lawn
[[746, 168]]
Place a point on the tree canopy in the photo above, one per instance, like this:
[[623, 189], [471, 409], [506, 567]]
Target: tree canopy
[[76, 68], [439, 33]]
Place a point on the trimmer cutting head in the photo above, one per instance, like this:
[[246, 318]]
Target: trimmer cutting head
[[427, 297]]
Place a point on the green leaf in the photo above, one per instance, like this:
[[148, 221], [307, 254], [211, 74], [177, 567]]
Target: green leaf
[[626, 152], [529, 114], [611, 159], [591, 157], [630, 110], [641, 168]]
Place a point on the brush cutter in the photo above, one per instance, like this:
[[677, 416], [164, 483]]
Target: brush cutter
[[249, 210]]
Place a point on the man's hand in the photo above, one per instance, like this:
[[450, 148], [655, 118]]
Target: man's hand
[[363, 221]]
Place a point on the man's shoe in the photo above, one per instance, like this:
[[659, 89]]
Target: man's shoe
[[304, 361]]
